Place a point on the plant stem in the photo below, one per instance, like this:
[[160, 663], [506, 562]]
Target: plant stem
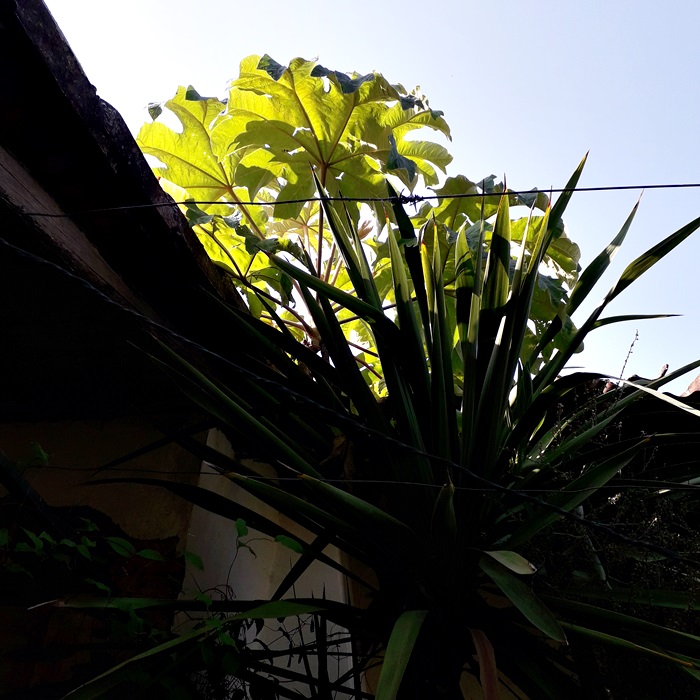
[[246, 213]]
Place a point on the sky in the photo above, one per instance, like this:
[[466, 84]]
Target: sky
[[528, 88]]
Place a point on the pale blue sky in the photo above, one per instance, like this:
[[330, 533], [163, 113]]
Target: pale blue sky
[[527, 88]]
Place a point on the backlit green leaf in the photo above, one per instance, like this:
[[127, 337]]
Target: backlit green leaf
[[512, 561], [398, 653]]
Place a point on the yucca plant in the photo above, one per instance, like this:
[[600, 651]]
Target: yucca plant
[[457, 485]]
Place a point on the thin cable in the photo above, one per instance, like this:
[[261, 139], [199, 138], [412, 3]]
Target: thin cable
[[618, 488], [400, 199]]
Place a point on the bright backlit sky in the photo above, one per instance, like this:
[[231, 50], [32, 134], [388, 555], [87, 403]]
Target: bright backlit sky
[[527, 88]]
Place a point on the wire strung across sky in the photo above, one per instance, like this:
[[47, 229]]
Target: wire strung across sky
[[400, 199], [645, 485]]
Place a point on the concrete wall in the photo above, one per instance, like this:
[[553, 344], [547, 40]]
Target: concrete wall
[[235, 572], [77, 448]]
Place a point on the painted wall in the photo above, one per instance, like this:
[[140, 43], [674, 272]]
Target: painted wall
[[234, 571], [77, 448], [48, 648]]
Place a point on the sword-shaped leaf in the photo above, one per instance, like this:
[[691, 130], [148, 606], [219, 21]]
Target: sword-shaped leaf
[[398, 653], [575, 492], [631, 273], [523, 598]]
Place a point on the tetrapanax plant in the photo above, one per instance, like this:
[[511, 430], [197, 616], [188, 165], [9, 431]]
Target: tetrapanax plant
[[280, 127]]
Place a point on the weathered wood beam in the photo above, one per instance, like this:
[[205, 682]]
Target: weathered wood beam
[[57, 234]]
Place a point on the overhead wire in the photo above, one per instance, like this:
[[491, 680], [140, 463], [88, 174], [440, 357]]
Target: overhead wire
[[647, 485], [400, 199]]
